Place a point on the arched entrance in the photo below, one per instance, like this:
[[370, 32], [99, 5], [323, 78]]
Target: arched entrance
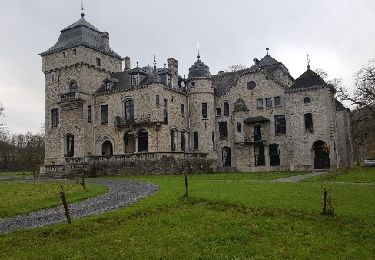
[[107, 149], [227, 157], [321, 155], [129, 142]]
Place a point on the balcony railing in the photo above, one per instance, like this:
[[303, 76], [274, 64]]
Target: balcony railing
[[129, 121]]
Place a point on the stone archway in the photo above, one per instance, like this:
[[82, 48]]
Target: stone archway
[[107, 149], [321, 155], [227, 156]]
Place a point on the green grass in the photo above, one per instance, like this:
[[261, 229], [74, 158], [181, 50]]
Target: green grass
[[357, 174], [246, 176], [23, 197], [15, 173], [221, 219]]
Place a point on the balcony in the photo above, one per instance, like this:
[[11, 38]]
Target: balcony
[[122, 122], [71, 100], [254, 139]]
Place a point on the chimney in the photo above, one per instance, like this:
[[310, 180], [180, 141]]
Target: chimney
[[104, 40], [173, 65], [127, 63]]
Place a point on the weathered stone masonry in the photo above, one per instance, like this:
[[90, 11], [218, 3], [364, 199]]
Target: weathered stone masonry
[[151, 120]]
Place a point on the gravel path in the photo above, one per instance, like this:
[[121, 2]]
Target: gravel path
[[121, 193], [298, 178]]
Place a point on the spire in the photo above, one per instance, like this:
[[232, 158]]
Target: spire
[[198, 56], [82, 9], [267, 49], [308, 61], [154, 63]]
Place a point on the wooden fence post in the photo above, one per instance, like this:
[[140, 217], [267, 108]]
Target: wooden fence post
[[65, 204]]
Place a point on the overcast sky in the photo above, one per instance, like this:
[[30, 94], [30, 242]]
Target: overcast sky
[[337, 34]]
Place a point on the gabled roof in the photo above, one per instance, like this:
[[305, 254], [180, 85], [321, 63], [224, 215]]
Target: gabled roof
[[82, 33], [308, 79]]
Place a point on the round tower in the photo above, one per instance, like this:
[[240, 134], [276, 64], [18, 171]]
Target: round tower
[[201, 109]]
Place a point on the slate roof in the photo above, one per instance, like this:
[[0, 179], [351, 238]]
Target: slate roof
[[199, 70], [308, 79], [82, 33]]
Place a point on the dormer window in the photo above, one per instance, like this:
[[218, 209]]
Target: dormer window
[[108, 85], [135, 80], [73, 86], [98, 62]]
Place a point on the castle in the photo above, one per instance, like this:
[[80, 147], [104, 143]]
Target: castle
[[100, 109]]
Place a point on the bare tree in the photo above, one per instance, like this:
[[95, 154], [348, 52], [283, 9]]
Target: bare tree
[[236, 67], [3, 130]]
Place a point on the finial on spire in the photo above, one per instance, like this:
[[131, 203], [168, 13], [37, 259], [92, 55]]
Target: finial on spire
[[198, 56], [308, 61], [267, 49], [154, 62], [137, 64], [82, 9]]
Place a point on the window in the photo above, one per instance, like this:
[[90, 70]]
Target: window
[[53, 78], [134, 80], [108, 85], [129, 110], [182, 141], [309, 126], [173, 140], [192, 83], [63, 54], [251, 85], [142, 141], [165, 111], [226, 109], [277, 101], [55, 117], [223, 130], [257, 133], [268, 102], [218, 111], [204, 110], [73, 86], [274, 154], [280, 124], [104, 114], [157, 101], [74, 51], [239, 127], [306, 100], [69, 145], [259, 155], [196, 144], [89, 113], [213, 139], [260, 103], [98, 62], [182, 109]]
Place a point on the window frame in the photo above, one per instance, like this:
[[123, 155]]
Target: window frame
[[104, 114], [226, 108], [308, 122], [279, 101], [55, 118], [280, 125], [223, 130], [204, 110], [260, 103], [268, 102]]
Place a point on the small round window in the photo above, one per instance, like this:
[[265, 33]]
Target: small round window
[[306, 100], [251, 85]]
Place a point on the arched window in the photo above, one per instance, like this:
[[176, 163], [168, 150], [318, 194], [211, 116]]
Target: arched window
[[142, 141], [69, 145], [73, 86], [129, 110], [173, 140], [107, 148]]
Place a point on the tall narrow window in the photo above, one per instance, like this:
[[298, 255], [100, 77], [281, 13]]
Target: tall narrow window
[[239, 127], [53, 78], [73, 86], [98, 62], [54, 117], [259, 155], [196, 144], [165, 111], [63, 54], [280, 124], [309, 126], [226, 109], [142, 141], [104, 114], [223, 130], [183, 141], [173, 140], [274, 154], [268, 102], [213, 139], [129, 110], [157, 101], [69, 145], [204, 110], [74, 51], [218, 111], [260, 103], [182, 109], [89, 113]]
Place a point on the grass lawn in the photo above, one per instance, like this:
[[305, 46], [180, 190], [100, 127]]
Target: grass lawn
[[357, 174], [225, 216], [15, 173], [23, 197]]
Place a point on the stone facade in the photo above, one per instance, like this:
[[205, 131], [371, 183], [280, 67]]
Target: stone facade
[[255, 119]]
